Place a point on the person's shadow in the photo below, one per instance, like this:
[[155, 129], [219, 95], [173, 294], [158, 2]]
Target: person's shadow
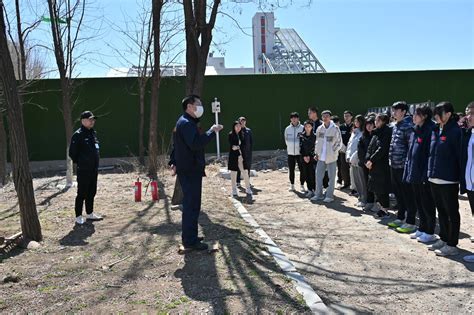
[[78, 235]]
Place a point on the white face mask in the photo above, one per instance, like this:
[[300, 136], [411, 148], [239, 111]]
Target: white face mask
[[199, 111]]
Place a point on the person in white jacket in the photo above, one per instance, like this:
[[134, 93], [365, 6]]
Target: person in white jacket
[[353, 159], [292, 140], [328, 144]]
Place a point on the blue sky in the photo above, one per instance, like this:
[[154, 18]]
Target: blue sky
[[345, 35]]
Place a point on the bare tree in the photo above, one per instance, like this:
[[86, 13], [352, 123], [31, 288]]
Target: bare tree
[[22, 179], [157, 6], [63, 14], [3, 142]]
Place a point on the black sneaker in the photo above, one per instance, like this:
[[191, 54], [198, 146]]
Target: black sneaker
[[198, 246], [382, 214]]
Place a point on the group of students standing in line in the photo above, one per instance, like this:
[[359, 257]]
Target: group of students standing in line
[[422, 162]]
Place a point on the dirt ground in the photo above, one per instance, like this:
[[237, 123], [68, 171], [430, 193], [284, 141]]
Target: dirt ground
[[69, 272], [355, 262]]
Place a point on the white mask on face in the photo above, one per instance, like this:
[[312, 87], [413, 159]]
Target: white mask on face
[[199, 111]]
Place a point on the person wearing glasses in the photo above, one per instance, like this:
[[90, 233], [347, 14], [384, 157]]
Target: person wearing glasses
[[84, 151]]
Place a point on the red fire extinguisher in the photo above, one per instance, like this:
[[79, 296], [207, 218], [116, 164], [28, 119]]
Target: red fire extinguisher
[[154, 191], [138, 190]]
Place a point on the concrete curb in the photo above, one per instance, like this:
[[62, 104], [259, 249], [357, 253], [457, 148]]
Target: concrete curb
[[311, 298]]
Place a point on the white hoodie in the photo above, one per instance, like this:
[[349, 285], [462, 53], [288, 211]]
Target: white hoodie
[[292, 139], [328, 143], [351, 153]]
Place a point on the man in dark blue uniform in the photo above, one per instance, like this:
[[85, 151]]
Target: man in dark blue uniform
[[84, 151], [187, 160]]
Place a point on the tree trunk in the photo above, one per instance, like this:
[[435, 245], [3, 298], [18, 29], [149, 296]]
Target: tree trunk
[[141, 127], [3, 152], [68, 125], [155, 89], [30, 225]]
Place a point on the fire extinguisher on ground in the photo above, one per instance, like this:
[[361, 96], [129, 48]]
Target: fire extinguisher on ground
[[154, 191], [138, 190]]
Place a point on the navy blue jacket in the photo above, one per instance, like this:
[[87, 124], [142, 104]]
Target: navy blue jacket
[[416, 166], [84, 149], [401, 135], [189, 143], [445, 153]]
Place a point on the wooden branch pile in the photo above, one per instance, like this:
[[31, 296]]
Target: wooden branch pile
[[9, 243]]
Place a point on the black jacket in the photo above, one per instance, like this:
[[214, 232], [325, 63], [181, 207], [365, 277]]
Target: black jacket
[[233, 163], [377, 152], [416, 165], [248, 144], [346, 131], [316, 125], [84, 149], [362, 148], [307, 145]]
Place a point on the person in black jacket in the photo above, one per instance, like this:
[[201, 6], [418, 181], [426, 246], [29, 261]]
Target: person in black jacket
[[415, 174], [344, 166], [307, 141], [238, 159], [467, 167], [84, 151], [444, 168], [377, 163], [362, 148], [188, 156], [248, 144]]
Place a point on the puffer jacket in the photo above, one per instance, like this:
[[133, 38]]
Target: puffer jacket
[[332, 137], [377, 153], [416, 168], [292, 139], [351, 153], [401, 135], [307, 144]]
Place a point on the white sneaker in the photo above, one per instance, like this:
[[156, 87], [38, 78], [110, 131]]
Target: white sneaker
[[469, 258], [302, 189], [309, 194], [472, 239], [416, 234], [94, 217], [447, 251], [328, 200], [426, 238], [317, 198], [80, 220], [438, 245], [234, 193], [292, 188], [249, 191], [360, 204]]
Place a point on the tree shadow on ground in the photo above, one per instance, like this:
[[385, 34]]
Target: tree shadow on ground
[[247, 268], [78, 235]]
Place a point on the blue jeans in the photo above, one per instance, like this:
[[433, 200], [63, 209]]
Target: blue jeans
[[321, 168], [192, 186]]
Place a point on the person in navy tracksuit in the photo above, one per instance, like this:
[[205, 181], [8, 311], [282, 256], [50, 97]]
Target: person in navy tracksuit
[[444, 168], [415, 174], [189, 163]]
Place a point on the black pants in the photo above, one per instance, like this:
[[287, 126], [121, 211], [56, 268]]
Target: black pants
[[470, 195], [192, 187], [86, 190], [383, 199], [238, 176], [404, 196], [292, 160], [344, 174], [447, 203], [309, 174], [426, 208], [370, 194]]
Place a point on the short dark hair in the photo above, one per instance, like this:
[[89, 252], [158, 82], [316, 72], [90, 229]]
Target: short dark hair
[[335, 119], [294, 114], [424, 110], [369, 121], [400, 105], [384, 118], [348, 112], [313, 109], [308, 122], [328, 112], [190, 99]]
